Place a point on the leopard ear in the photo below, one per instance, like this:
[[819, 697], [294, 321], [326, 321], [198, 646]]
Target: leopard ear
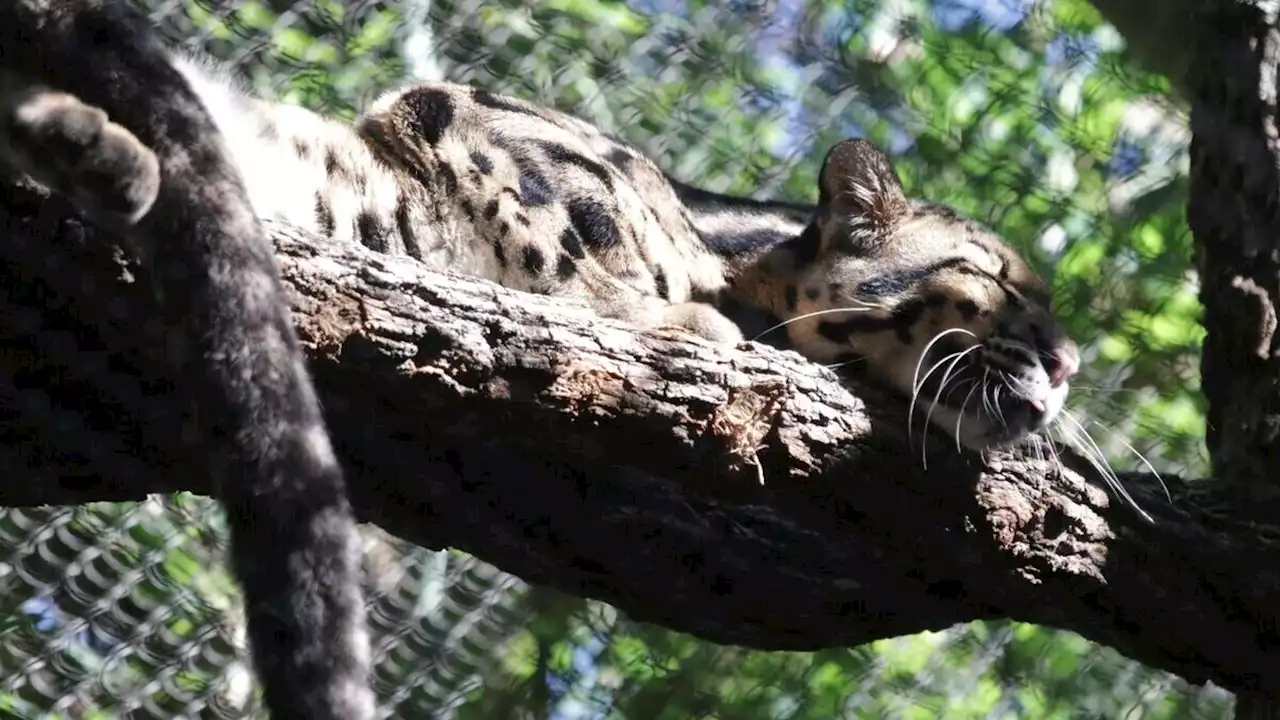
[[858, 179]]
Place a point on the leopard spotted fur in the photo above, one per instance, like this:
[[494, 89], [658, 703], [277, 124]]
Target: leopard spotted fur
[[540, 201]]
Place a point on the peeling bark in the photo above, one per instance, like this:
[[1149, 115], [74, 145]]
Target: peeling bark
[[627, 467]]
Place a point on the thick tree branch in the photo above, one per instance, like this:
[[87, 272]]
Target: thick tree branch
[[577, 454]]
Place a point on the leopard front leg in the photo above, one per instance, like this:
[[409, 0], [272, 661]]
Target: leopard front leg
[[702, 320], [649, 312]]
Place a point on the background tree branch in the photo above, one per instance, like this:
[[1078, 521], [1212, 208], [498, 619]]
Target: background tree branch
[[625, 467]]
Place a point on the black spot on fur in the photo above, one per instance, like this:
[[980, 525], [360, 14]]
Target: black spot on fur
[[812, 292], [572, 244], [719, 298], [594, 224], [504, 229], [900, 322], [790, 296], [535, 188], [905, 316], [522, 219], [331, 166], [899, 281], [482, 162], [467, 208], [731, 245], [621, 159], [497, 102], [660, 282], [968, 309], [301, 147], [500, 255], [532, 260], [449, 178], [561, 154], [565, 267], [836, 332], [268, 131], [370, 232], [404, 223], [945, 212], [935, 299], [433, 109], [806, 246], [491, 210], [324, 216]]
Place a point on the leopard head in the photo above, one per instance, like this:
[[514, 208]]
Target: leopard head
[[931, 303]]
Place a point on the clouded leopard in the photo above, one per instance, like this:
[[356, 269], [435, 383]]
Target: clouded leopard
[[538, 200]]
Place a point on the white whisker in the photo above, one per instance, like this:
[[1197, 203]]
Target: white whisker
[[833, 366], [916, 382], [1140, 456], [938, 395], [915, 395], [1099, 461], [995, 400], [986, 401], [1053, 447], [960, 415], [1091, 451]]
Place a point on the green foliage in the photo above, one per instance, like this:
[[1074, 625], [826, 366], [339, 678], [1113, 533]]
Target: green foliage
[[1045, 129]]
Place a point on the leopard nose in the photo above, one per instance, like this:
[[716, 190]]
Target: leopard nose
[[1062, 362]]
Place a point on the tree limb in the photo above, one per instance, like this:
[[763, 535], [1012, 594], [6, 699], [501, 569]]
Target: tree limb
[[577, 454]]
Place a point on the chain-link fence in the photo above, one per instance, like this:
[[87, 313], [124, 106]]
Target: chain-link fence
[[1026, 115]]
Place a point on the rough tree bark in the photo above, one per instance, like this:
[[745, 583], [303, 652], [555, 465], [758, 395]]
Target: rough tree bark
[[1235, 158], [626, 467]]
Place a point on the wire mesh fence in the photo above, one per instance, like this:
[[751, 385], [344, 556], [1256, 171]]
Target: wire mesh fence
[[1025, 115]]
